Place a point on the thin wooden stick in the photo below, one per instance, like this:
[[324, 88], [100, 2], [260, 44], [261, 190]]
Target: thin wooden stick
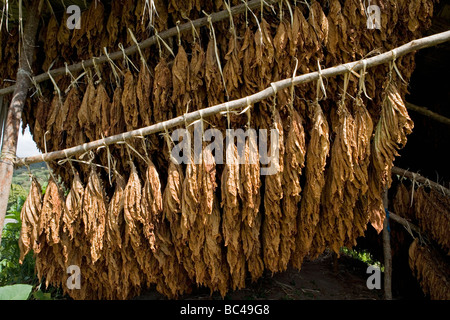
[[428, 113], [172, 32], [243, 102], [403, 222], [418, 178], [387, 253]]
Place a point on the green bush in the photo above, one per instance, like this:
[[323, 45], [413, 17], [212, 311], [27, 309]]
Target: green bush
[[17, 280], [363, 256], [11, 271]]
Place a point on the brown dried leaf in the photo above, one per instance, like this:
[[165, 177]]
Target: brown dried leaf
[[112, 25], [40, 125], [74, 203], [29, 216], [129, 102], [295, 37], [151, 203], [250, 202], [84, 113], [190, 198], [91, 26], [143, 93], [264, 54], [337, 28], [50, 42], [132, 209], [363, 129], [431, 270], [162, 89], [180, 81], [316, 156], [196, 77], [319, 22], [294, 162], [115, 216], [271, 228], [69, 122], [232, 223], [232, 70], [390, 135], [247, 56], [101, 113], [51, 213], [117, 124], [63, 35], [431, 209], [213, 79], [214, 257], [94, 214], [172, 208]]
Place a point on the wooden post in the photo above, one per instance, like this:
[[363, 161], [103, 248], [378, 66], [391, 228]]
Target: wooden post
[[12, 126], [387, 252]]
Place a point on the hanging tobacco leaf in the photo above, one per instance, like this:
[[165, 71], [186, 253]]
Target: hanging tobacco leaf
[[316, 157], [29, 216]]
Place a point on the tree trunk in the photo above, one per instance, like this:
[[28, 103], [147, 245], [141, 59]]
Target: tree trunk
[[12, 126]]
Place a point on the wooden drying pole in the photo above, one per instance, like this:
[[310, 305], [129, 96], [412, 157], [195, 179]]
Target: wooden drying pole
[[12, 125], [243, 102], [428, 113], [420, 179], [169, 33]]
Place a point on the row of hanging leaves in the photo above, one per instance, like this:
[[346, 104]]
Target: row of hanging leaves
[[214, 245], [107, 25], [430, 269], [327, 184], [428, 209], [119, 245], [113, 100]]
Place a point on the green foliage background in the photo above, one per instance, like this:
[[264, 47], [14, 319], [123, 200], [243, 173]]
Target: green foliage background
[[11, 271]]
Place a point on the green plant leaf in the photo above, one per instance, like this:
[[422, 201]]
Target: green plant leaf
[[39, 295], [15, 292]]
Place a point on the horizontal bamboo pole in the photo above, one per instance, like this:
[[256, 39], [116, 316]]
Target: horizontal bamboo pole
[[169, 33], [243, 102], [428, 113], [418, 178]]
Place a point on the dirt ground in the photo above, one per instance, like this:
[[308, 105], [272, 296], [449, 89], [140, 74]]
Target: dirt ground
[[317, 280]]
